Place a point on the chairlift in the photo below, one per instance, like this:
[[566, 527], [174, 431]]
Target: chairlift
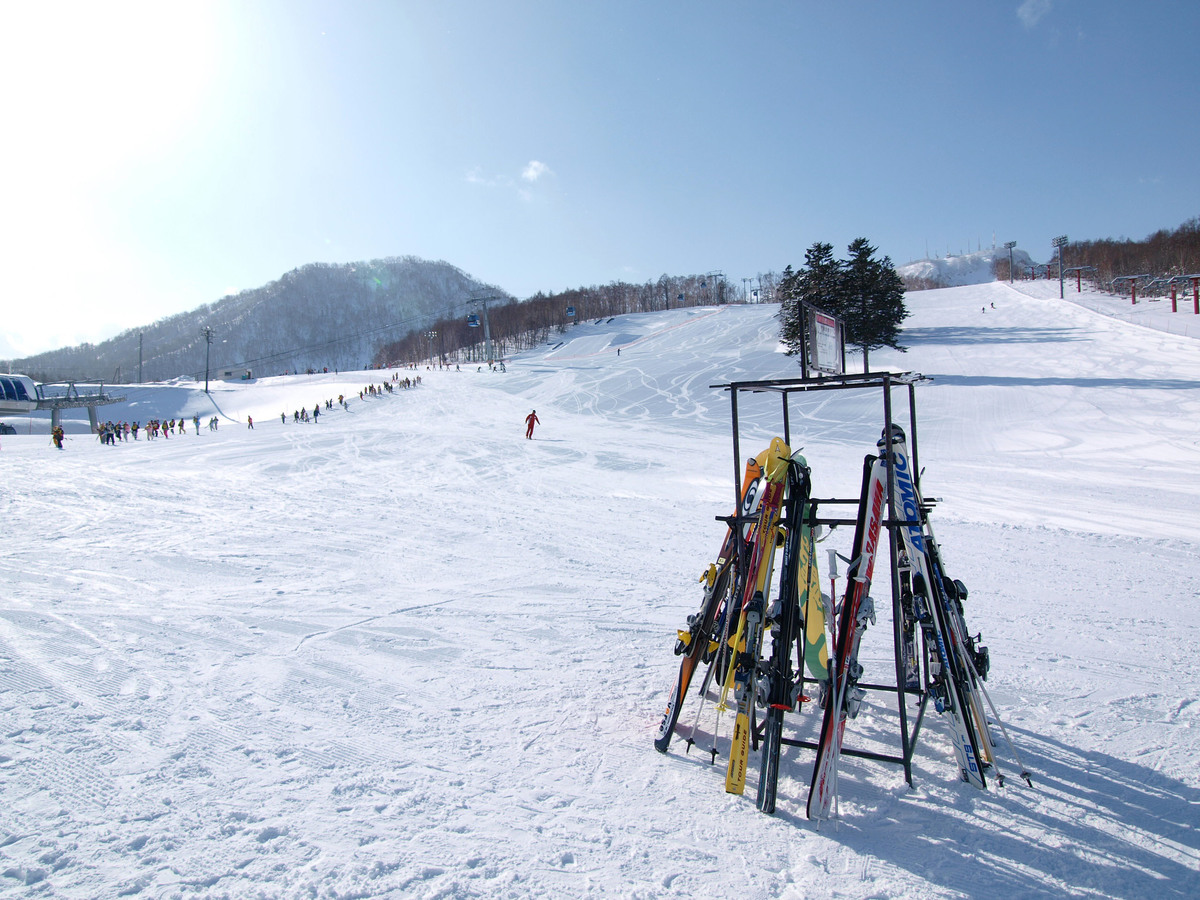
[[473, 320], [570, 312]]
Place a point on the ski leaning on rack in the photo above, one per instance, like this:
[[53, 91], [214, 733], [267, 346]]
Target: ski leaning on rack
[[977, 661], [696, 644], [954, 690], [946, 596], [748, 640], [785, 624], [842, 696]]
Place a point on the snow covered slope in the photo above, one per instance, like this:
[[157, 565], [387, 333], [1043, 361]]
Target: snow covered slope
[[405, 652]]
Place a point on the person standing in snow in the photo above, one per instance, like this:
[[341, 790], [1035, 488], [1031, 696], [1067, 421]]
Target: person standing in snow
[[250, 422], [530, 421]]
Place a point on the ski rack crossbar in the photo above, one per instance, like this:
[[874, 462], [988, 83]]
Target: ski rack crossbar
[[885, 382]]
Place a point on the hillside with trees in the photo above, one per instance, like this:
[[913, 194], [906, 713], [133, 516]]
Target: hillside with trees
[[517, 326], [1166, 253], [318, 316], [1163, 254], [404, 310]]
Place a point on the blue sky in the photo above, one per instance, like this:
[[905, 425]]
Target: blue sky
[[160, 156]]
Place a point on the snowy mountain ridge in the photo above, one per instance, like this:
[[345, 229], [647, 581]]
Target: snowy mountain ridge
[[321, 315]]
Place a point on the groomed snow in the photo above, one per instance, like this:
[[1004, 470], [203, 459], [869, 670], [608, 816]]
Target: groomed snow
[[405, 652]]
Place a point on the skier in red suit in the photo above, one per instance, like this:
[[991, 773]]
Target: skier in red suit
[[530, 421]]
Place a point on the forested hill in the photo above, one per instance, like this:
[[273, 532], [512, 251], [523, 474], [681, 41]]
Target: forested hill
[[319, 315]]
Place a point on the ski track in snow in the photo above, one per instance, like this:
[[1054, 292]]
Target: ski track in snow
[[406, 653]]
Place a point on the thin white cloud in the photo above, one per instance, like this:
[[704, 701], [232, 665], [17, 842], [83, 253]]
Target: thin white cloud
[[535, 170], [1033, 11], [475, 176]]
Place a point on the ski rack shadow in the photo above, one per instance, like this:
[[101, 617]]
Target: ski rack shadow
[[885, 382]]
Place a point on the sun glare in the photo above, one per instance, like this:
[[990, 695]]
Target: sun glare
[[93, 87]]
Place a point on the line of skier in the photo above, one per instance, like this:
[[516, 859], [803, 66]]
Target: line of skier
[[111, 432]]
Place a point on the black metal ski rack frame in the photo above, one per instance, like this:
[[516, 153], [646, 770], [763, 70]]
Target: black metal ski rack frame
[[886, 382]]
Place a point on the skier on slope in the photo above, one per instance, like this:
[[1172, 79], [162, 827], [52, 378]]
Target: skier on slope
[[530, 421]]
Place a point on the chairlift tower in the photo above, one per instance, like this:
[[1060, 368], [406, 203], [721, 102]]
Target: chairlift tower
[[208, 336], [1060, 242], [716, 276], [1078, 272], [482, 302]]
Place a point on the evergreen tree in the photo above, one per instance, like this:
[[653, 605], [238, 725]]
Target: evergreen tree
[[790, 331], [872, 301], [865, 293], [818, 283]]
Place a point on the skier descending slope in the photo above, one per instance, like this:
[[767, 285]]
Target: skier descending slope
[[843, 697]]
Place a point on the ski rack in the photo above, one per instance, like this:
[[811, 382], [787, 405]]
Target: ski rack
[[885, 382]]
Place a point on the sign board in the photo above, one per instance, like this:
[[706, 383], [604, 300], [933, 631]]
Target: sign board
[[825, 342]]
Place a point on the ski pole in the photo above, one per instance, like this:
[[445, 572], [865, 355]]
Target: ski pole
[[1004, 731]]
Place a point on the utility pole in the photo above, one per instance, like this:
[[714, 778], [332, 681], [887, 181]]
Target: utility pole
[[1060, 242], [208, 336], [1009, 247], [140, 359], [431, 335]]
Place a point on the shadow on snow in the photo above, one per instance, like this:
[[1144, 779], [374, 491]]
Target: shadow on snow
[[952, 334], [1093, 824], [1161, 384]]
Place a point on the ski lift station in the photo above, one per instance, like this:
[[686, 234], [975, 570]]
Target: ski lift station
[[20, 396]]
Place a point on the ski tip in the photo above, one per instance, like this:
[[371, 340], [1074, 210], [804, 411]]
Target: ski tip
[[897, 436]]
